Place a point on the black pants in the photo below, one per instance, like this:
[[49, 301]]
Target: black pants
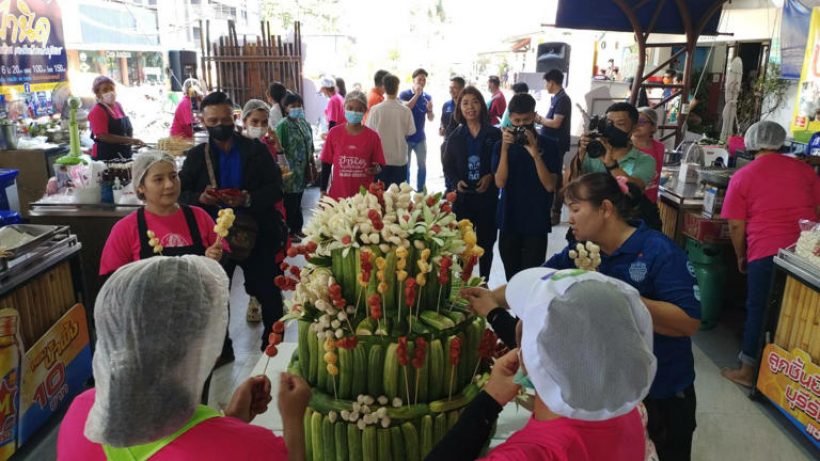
[[480, 209], [558, 197], [672, 423], [519, 252], [293, 208], [260, 269]]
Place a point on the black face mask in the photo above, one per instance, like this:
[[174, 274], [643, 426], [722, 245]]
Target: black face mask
[[221, 132], [615, 136]]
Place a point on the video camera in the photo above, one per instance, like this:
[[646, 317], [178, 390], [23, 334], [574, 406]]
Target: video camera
[[596, 128]]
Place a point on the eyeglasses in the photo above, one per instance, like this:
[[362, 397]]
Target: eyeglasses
[[643, 121]]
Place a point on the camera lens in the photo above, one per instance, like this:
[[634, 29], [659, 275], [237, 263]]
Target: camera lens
[[595, 149]]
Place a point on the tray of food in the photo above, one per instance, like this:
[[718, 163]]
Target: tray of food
[[18, 239]]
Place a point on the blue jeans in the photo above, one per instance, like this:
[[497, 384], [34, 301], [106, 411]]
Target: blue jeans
[[392, 175], [421, 157], [759, 281]]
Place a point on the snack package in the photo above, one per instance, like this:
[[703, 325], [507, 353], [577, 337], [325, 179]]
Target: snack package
[[808, 245]]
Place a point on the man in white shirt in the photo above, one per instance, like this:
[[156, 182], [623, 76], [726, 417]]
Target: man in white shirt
[[394, 122]]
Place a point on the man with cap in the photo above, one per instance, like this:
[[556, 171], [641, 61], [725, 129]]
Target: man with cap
[[232, 171], [764, 204], [586, 392], [335, 109]]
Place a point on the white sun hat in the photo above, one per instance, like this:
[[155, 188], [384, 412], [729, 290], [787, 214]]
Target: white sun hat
[[586, 342]]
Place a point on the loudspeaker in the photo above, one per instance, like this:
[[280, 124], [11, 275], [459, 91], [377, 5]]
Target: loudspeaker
[[183, 66], [554, 55]]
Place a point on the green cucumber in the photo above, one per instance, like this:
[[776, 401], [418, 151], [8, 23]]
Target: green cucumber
[[346, 373], [462, 363], [458, 401], [328, 442], [408, 412], [370, 445], [316, 437], [313, 353], [358, 386], [422, 378], [426, 435], [322, 377], [452, 419], [354, 442], [383, 440], [375, 367], [450, 371], [419, 328], [457, 317], [323, 403], [410, 378], [439, 428], [437, 321], [411, 441], [391, 372], [396, 443], [340, 436], [304, 347], [366, 327], [436, 369], [308, 431]]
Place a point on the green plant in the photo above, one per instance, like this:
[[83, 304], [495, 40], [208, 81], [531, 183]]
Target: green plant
[[768, 87]]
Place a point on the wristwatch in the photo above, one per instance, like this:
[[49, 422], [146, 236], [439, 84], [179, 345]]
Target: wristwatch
[[613, 166]]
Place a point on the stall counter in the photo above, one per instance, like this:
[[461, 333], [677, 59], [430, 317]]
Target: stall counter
[[35, 167]]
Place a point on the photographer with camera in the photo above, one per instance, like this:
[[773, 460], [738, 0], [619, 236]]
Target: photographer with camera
[[526, 166], [607, 148]]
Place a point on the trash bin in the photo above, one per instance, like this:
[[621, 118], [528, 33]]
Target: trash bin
[[8, 190], [710, 272]]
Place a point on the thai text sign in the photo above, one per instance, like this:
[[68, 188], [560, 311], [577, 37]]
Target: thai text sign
[[32, 48]]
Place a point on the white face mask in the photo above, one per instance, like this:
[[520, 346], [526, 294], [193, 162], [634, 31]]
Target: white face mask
[[109, 97], [255, 132]]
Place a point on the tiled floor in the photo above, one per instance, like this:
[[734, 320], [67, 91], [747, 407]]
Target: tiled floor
[[730, 425]]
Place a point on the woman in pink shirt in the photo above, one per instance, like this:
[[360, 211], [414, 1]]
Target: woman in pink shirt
[[178, 229], [353, 152], [643, 139], [335, 109], [183, 125], [110, 128], [763, 204], [155, 347], [586, 350]]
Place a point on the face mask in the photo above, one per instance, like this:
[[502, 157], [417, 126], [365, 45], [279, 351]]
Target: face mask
[[354, 117], [296, 113], [615, 136], [523, 380], [255, 132], [109, 97], [221, 132]]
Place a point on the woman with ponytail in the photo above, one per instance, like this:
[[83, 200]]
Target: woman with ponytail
[[601, 210]]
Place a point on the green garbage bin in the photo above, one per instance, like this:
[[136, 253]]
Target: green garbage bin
[[710, 271]]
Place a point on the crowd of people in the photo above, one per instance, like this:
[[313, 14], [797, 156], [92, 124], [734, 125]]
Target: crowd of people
[[626, 393]]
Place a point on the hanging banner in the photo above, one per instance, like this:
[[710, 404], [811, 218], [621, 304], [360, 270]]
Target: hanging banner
[[792, 382], [33, 58], [793, 33], [806, 117]]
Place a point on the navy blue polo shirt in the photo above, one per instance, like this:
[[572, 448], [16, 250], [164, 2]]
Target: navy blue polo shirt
[[230, 167], [659, 270], [448, 110], [561, 104], [524, 205], [419, 113]]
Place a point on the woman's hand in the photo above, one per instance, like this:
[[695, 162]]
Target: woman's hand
[[215, 251], [501, 386], [251, 398], [484, 183], [462, 186], [481, 300], [293, 398], [741, 264]]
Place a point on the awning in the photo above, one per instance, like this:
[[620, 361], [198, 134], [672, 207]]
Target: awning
[[608, 15], [522, 45]]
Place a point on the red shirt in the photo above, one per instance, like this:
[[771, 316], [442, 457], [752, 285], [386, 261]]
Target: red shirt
[[772, 194], [374, 97], [657, 151], [351, 156], [335, 110], [564, 439], [98, 120], [123, 244], [498, 104], [183, 119], [216, 438]]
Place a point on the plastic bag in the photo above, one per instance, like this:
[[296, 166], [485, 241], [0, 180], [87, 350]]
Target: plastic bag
[[808, 245]]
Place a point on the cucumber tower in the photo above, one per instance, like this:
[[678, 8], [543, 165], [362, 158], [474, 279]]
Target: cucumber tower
[[390, 357]]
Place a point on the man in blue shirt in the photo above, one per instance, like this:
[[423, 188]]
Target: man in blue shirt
[[556, 126], [421, 104], [448, 122], [526, 166]]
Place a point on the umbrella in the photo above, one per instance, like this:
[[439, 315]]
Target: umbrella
[[733, 79]]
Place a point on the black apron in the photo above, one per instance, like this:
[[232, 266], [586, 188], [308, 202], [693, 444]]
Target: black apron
[[147, 251], [119, 127]]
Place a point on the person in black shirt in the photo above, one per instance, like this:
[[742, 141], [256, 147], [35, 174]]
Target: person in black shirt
[[449, 124], [556, 126]]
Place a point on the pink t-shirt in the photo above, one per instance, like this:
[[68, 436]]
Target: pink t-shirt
[[564, 439], [657, 151], [772, 194], [183, 119], [98, 120], [335, 110], [123, 244], [351, 156], [217, 438]]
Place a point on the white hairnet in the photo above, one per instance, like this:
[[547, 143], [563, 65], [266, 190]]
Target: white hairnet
[[191, 83], [358, 96], [252, 105], [649, 113], [764, 135], [327, 82], [143, 162], [156, 344], [586, 343]]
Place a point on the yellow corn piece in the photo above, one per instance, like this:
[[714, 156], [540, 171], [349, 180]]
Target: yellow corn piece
[[401, 275], [425, 254], [330, 346], [421, 279], [382, 287], [470, 238], [381, 263], [401, 252], [332, 370], [330, 357], [151, 234]]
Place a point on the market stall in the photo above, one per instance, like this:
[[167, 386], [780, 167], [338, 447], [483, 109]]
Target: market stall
[[45, 344]]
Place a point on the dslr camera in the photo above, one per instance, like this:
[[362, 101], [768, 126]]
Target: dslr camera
[[596, 129], [520, 134]]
